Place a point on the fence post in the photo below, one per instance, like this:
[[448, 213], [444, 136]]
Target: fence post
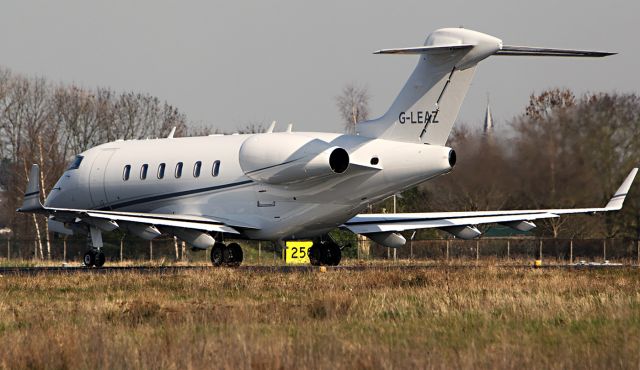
[[260, 251], [477, 250], [411, 248], [8, 248], [571, 251], [540, 254], [150, 250], [638, 246], [448, 244], [508, 249], [64, 249], [604, 249], [122, 249]]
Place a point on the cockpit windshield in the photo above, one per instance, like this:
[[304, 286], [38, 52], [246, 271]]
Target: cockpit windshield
[[75, 163]]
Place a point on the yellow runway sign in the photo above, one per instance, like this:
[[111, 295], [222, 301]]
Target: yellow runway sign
[[297, 252]]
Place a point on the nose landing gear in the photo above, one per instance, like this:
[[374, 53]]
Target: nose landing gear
[[94, 256], [228, 255]]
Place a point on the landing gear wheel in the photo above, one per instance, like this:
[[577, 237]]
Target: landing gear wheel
[[333, 255], [233, 255], [316, 254], [328, 254], [217, 254], [89, 258], [99, 259]]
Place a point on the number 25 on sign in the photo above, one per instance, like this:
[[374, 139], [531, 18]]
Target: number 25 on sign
[[297, 252]]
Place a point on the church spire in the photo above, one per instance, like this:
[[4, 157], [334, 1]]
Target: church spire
[[488, 119]]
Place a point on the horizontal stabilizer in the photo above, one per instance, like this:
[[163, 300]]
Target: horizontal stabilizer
[[546, 52], [434, 49]]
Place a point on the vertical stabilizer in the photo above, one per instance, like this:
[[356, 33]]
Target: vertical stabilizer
[[428, 104]]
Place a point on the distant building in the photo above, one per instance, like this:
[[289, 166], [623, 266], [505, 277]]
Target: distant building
[[488, 121], [487, 132]]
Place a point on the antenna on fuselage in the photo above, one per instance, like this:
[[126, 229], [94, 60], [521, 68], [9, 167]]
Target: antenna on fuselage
[[290, 127], [173, 131], [270, 129]]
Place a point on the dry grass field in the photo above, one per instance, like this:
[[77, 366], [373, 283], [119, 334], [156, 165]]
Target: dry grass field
[[485, 317]]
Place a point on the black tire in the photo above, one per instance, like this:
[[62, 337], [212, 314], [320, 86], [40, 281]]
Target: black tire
[[334, 255], [217, 254], [233, 255], [315, 255], [89, 258], [99, 259]]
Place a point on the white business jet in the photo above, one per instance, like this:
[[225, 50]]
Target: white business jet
[[282, 186]]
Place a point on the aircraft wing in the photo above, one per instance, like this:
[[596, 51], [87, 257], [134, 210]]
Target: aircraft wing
[[462, 224], [111, 220], [102, 219]]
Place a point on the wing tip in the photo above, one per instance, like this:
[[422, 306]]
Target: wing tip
[[618, 198]]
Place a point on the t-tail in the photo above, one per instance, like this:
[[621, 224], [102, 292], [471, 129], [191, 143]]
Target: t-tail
[[428, 104]]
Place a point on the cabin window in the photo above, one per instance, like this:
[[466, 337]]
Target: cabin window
[[126, 172], [161, 168], [143, 171], [178, 170], [196, 169], [216, 168], [75, 163]]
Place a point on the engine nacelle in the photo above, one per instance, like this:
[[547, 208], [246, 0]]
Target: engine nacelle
[[388, 239], [463, 232], [195, 238], [284, 158], [520, 225], [147, 232]]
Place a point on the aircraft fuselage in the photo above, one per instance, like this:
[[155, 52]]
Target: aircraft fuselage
[[203, 176]]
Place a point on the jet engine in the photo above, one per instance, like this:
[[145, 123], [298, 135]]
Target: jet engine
[[286, 158]]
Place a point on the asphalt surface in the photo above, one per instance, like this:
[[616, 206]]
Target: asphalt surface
[[274, 269]]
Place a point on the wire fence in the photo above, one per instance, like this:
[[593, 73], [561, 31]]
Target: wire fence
[[560, 250], [171, 249]]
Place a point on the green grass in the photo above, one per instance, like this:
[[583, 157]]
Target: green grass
[[221, 318]]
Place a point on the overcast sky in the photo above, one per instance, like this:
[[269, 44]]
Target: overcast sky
[[229, 63]]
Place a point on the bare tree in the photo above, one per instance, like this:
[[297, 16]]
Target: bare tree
[[253, 128], [353, 105]]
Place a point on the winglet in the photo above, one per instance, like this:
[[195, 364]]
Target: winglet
[[615, 203], [31, 202]]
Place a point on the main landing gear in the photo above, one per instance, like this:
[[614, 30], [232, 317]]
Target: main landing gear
[[326, 253], [93, 257], [227, 255]]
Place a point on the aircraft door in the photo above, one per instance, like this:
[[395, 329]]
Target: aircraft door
[[97, 178]]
